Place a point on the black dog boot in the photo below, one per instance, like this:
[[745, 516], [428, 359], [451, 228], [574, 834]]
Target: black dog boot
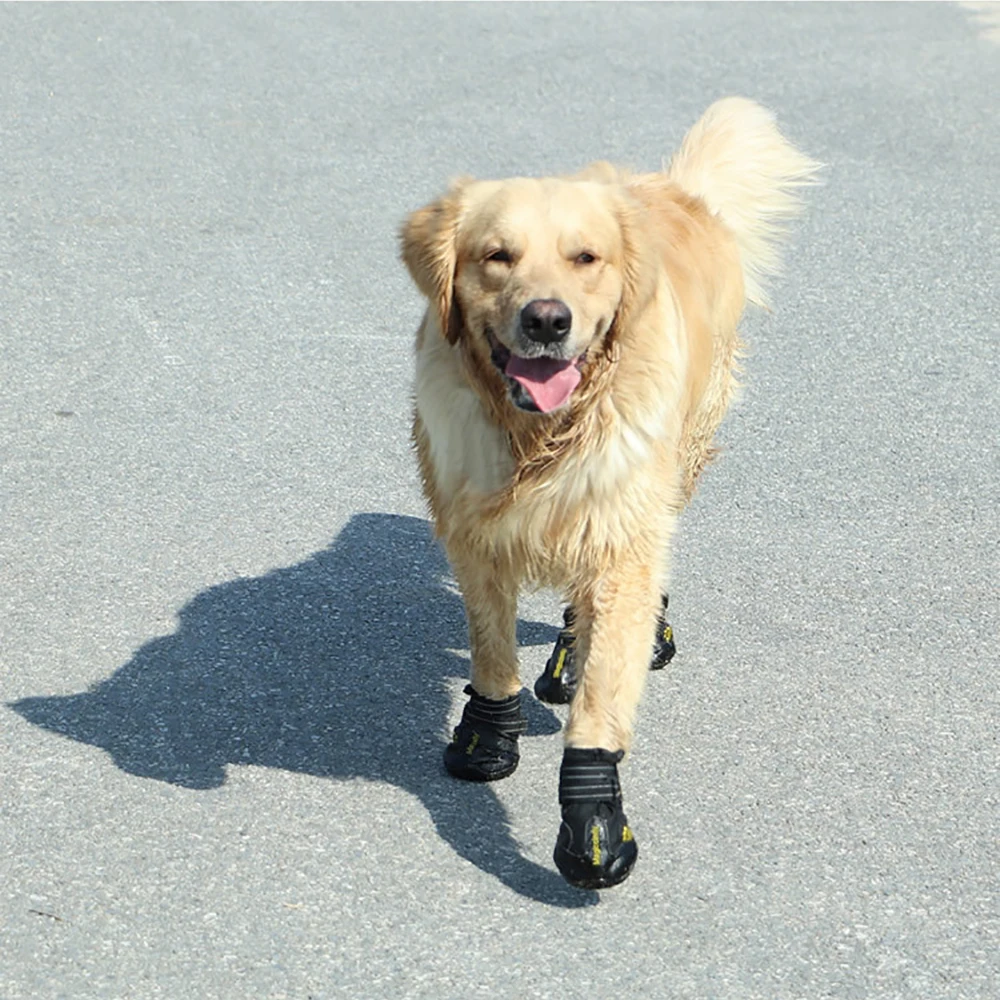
[[557, 684], [663, 647], [484, 744], [595, 848]]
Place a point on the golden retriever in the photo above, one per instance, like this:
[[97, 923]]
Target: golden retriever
[[576, 358]]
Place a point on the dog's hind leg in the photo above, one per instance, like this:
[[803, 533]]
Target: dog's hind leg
[[557, 683], [484, 746], [664, 648]]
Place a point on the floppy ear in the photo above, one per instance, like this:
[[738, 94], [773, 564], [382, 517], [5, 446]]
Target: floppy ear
[[428, 248], [639, 263]]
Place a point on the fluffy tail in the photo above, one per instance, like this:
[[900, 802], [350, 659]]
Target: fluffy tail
[[748, 174]]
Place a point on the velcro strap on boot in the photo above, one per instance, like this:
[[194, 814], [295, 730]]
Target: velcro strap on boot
[[589, 775], [503, 716]]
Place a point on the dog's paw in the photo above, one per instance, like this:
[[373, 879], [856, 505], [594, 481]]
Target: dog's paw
[[595, 848], [663, 648], [484, 746], [557, 683]]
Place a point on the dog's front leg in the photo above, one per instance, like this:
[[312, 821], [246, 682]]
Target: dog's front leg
[[484, 745], [615, 634], [615, 626]]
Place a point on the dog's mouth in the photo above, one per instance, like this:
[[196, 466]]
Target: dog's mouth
[[541, 384]]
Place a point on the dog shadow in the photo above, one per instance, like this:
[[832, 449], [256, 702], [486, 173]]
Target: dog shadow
[[338, 667]]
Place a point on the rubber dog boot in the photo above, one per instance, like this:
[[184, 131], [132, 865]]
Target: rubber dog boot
[[663, 647], [595, 848], [484, 744], [557, 684]]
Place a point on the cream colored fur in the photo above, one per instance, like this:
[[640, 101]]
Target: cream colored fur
[[585, 499], [735, 161]]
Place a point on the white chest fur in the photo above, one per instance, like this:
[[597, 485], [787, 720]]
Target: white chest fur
[[467, 451]]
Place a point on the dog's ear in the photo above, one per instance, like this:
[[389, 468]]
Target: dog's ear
[[428, 239], [639, 262]]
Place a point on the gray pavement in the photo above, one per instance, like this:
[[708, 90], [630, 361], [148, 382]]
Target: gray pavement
[[230, 651]]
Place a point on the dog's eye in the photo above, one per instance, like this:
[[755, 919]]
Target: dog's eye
[[500, 256], [585, 258]]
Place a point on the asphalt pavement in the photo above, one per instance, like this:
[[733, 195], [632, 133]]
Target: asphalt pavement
[[230, 650]]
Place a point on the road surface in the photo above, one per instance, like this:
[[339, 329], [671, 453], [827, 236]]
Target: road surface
[[230, 651]]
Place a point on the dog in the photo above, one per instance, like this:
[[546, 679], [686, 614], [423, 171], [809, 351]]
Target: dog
[[578, 352]]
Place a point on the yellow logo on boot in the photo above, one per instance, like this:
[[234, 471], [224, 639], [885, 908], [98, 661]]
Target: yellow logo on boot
[[595, 841], [560, 663]]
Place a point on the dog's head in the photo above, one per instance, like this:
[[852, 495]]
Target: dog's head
[[533, 276]]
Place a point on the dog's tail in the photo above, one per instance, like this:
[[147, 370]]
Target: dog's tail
[[748, 174]]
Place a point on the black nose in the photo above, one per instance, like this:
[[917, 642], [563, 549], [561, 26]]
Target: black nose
[[546, 320]]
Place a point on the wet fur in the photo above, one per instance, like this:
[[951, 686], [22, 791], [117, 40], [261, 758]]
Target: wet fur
[[585, 499]]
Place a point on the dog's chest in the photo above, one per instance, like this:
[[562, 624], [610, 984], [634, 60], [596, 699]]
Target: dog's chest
[[467, 451]]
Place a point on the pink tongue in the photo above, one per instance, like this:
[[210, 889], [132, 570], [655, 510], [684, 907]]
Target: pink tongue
[[548, 381]]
